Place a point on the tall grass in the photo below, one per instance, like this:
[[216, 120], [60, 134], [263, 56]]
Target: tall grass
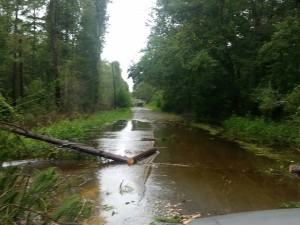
[[80, 128], [262, 131]]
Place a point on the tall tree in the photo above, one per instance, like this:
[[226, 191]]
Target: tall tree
[[15, 53], [114, 90], [51, 51], [209, 61], [53, 9]]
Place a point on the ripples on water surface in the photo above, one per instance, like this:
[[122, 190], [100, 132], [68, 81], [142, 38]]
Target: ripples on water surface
[[194, 172]]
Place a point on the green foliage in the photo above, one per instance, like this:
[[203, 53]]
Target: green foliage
[[11, 146], [268, 100], [144, 91], [6, 111], [115, 92], [233, 57], [72, 206], [202, 61], [163, 219], [281, 54], [68, 129], [290, 205], [292, 102], [156, 102], [34, 199], [53, 63], [14, 147], [259, 130], [38, 91], [123, 97], [72, 129], [157, 99]]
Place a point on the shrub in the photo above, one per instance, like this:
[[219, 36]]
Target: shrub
[[260, 130]]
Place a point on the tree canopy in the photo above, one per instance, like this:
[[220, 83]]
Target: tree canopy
[[215, 58], [50, 55]]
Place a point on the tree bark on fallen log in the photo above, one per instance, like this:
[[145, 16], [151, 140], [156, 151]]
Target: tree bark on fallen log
[[75, 146], [140, 156]]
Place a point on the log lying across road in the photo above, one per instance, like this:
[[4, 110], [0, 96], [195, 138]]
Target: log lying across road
[[75, 146]]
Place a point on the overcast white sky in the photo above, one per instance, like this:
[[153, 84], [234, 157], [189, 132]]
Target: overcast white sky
[[127, 32]]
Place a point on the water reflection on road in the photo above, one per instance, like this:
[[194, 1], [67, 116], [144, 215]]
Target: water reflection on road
[[194, 172], [124, 187]]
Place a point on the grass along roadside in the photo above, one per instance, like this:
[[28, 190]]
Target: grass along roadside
[[277, 141], [265, 132], [79, 128]]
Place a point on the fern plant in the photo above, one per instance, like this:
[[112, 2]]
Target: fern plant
[[26, 199]]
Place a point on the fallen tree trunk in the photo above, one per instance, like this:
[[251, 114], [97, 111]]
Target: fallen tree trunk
[[141, 155], [75, 146]]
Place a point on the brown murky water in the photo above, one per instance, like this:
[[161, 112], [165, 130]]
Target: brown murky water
[[194, 173]]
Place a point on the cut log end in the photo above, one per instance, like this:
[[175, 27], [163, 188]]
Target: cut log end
[[142, 155], [131, 161]]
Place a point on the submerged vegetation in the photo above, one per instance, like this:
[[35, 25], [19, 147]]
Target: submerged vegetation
[[174, 219]]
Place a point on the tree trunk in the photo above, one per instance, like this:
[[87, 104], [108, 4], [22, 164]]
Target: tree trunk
[[54, 50], [34, 42], [15, 56], [76, 146], [21, 71], [141, 155], [14, 80], [114, 85]]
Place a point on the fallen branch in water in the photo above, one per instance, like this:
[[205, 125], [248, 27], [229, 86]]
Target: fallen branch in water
[[141, 155], [75, 146]]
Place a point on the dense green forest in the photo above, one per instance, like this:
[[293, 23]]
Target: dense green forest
[[50, 58], [51, 69], [219, 58]]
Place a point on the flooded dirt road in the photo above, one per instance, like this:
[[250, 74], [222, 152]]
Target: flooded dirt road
[[194, 173]]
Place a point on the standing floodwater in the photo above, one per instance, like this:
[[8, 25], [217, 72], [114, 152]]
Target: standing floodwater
[[194, 173]]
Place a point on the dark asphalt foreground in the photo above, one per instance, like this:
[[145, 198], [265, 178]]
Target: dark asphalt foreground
[[265, 217]]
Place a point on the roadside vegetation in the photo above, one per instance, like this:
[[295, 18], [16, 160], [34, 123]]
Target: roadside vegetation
[[76, 129], [233, 65], [265, 132], [51, 71], [28, 197], [83, 126], [32, 197], [53, 82]]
